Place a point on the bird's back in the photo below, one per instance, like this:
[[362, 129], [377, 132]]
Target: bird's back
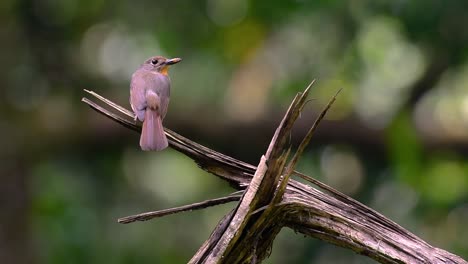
[[144, 81]]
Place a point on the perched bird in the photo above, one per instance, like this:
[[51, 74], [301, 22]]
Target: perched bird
[[150, 90]]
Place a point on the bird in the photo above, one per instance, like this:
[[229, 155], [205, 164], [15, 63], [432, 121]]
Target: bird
[[150, 89]]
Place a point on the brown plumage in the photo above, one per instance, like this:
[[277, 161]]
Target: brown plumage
[[150, 90]]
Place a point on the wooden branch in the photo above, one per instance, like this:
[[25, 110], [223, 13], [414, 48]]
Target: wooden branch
[[246, 234], [236, 172], [301, 148], [194, 206]]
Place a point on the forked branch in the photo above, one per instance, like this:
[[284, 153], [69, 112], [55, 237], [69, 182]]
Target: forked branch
[[270, 201]]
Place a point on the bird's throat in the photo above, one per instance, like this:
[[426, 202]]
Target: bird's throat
[[164, 70]]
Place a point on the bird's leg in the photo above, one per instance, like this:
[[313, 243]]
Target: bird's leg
[[135, 119]]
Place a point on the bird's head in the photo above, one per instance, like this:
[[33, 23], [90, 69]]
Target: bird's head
[[160, 64]]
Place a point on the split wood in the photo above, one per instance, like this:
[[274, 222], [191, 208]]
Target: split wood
[[269, 200]]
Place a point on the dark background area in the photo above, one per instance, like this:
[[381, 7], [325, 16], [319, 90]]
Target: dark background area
[[396, 139]]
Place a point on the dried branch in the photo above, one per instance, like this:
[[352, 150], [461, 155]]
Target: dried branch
[[246, 234], [301, 148], [194, 206]]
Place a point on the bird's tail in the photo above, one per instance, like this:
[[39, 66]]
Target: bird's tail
[[152, 133]]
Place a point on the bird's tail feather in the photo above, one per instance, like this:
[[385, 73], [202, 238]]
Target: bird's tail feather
[[152, 133]]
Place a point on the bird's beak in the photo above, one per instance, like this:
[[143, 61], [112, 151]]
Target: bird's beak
[[172, 61]]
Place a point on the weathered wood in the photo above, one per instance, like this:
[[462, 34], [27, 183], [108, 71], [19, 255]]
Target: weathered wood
[[230, 246], [245, 235], [190, 207]]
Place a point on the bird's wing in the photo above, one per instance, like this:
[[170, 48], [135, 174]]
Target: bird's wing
[[137, 94], [162, 87]]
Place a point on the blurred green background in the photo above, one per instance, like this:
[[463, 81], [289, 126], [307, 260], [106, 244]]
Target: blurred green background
[[396, 139]]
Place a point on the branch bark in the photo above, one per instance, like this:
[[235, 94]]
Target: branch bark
[[271, 201]]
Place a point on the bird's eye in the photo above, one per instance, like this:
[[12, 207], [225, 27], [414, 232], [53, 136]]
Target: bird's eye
[[154, 61]]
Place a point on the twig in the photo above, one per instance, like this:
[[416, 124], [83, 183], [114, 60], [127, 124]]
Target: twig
[[190, 207], [112, 104]]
